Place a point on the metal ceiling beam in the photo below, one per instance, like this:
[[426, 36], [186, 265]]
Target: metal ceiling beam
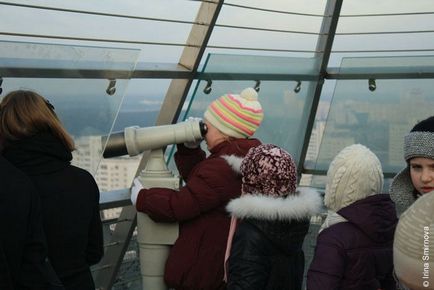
[[147, 70], [378, 73], [167, 71], [142, 70], [325, 43], [169, 112]]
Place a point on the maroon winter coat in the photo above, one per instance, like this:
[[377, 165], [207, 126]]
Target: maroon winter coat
[[357, 255], [196, 259]]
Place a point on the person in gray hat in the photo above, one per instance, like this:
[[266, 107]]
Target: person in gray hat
[[417, 178]]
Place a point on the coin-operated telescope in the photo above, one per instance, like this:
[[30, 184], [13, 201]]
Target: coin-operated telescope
[[155, 239]]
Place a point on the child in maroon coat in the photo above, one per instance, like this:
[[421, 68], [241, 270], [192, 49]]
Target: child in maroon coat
[[196, 259]]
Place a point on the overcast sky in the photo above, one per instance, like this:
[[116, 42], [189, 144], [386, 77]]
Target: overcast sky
[[46, 22]]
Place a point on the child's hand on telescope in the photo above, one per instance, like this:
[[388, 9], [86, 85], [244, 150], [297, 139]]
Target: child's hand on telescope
[[193, 144], [135, 189]]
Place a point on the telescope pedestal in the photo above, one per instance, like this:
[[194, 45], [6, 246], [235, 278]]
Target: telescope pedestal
[[155, 239]]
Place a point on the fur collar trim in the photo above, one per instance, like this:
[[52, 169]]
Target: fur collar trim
[[234, 161], [307, 203]]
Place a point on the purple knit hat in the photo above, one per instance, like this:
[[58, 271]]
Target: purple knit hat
[[269, 170]]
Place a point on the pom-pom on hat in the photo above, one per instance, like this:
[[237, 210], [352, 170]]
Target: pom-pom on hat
[[236, 115], [418, 143], [354, 174], [413, 245], [268, 170]]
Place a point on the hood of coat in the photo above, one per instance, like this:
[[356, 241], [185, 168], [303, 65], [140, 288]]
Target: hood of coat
[[38, 154], [374, 215], [401, 190], [300, 206], [261, 206]]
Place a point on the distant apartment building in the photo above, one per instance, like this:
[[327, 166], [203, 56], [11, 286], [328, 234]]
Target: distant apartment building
[[313, 150], [111, 173], [116, 173], [88, 153], [315, 140]]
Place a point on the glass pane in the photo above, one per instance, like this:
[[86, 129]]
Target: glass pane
[[136, 25], [285, 110], [410, 64], [256, 64], [85, 106], [139, 108], [391, 29], [54, 56], [378, 119], [270, 27]]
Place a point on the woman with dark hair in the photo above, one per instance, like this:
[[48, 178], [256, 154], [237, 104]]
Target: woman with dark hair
[[35, 141]]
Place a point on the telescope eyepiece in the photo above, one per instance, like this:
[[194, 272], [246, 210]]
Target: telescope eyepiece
[[203, 128]]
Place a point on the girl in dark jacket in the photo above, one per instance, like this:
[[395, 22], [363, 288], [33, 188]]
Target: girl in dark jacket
[[36, 143], [196, 260], [354, 246], [270, 221]]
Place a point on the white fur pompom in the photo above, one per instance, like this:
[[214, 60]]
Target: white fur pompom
[[249, 94]]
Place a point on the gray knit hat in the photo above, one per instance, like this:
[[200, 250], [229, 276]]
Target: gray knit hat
[[418, 143]]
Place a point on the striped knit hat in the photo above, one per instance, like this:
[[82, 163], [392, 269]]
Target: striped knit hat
[[236, 115]]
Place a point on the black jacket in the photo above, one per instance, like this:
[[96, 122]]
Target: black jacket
[[23, 248], [266, 250], [70, 207]]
